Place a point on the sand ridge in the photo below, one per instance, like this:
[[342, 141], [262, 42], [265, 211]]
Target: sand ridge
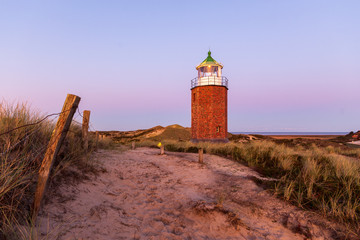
[[143, 195]]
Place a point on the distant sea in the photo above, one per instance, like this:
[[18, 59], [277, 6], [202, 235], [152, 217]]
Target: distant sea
[[293, 133]]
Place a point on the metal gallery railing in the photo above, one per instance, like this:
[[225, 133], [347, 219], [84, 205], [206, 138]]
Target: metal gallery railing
[[212, 80]]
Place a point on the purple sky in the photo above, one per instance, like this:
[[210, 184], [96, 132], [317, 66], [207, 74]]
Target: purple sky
[[291, 65]]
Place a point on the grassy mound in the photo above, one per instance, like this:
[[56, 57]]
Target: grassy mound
[[174, 132], [129, 136], [158, 133]]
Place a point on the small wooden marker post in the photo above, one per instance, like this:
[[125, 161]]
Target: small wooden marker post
[[133, 145], [96, 140], [201, 155], [85, 129], [162, 151], [57, 138]]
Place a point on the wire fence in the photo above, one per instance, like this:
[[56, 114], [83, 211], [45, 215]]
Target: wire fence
[[29, 145], [26, 136], [33, 124], [9, 143]]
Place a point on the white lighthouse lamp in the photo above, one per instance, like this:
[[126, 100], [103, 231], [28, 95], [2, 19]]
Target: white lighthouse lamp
[[209, 73]]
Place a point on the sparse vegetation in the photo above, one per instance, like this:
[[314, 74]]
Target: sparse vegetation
[[21, 152], [321, 176], [106, 143], [323, 179]]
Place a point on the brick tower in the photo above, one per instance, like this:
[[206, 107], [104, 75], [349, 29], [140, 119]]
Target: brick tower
[[209, 103]]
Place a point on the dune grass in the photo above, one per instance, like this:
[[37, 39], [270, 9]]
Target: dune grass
[[323, 179], [21, 153]]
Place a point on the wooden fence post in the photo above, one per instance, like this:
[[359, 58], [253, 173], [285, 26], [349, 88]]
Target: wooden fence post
[[162, 151], [96, 140], [201, 155], [133, 145], [57, 138], [85, 129]]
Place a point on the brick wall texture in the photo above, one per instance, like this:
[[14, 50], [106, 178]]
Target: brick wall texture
[[209, 113]]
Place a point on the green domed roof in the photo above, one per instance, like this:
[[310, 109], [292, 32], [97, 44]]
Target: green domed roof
[[209, 61]]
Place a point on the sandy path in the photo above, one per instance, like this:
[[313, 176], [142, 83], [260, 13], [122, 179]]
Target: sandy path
[[143, 195]]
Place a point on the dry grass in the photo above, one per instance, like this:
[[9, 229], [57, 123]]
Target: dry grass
[[106, 143], [323, 179], [18, 160], [21, 153]]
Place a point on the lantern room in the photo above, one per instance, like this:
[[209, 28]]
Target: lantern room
[[209, 68], [209, 73]]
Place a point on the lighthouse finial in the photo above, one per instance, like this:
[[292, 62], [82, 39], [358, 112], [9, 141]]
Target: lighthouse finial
[[209, 52]]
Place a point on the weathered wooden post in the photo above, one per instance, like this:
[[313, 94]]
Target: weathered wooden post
[[162, 150], [96, 140], [57, 138], [201, 155], [85, 129], [133, 145]]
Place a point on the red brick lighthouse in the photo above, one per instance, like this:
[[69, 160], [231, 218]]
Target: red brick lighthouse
[[209, 103]]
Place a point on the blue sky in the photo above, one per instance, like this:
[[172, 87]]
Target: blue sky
[[291, 65]]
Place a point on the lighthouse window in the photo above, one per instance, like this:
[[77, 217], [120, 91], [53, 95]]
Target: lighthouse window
[[202, 70], [208, 71], [218, 129], [194, 97], [215, 71]]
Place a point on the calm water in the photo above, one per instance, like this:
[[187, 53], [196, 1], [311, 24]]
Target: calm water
[[293, 133]]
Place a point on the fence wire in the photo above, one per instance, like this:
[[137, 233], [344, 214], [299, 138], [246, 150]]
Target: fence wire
[[35, 123], [28, 134]]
